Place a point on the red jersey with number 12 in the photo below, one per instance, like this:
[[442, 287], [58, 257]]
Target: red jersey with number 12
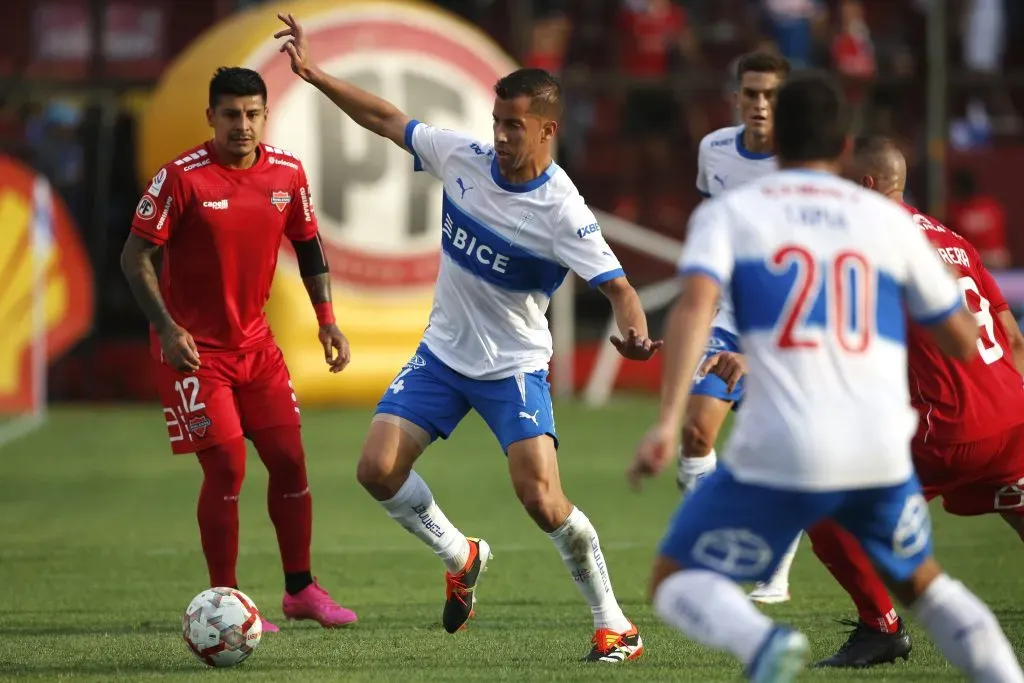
[[960, 402], [221, 231]]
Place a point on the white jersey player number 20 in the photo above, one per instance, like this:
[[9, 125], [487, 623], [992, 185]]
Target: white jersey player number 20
[[845, 285]]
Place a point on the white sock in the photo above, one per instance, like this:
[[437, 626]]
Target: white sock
[[580, 549], [414, 508], [967, 633], [692, 469], [713, 611], [780, 577]]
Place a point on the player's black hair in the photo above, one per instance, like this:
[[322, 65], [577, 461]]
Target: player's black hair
[[965, 185], [762, 62], [811, 121], [234, 80], [544, 91]]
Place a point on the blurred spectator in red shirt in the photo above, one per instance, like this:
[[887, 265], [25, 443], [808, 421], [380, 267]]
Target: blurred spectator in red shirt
[[853, 51], [652, 36], [980, 218], [549, 37]]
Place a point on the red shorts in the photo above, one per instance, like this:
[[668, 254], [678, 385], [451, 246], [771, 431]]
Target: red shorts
[[231, 394], [977, 477]]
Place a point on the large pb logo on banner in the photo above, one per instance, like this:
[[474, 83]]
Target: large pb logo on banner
[[380, 221]]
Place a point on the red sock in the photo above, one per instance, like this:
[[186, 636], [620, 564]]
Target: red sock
[[842, 555], [288, 499], [223, 471]]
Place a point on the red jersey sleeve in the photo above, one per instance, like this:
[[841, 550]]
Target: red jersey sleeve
[[159, 211], [302, 224]]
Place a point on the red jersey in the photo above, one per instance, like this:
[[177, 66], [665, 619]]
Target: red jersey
[[957, 401], [221, 231], [646, 38]]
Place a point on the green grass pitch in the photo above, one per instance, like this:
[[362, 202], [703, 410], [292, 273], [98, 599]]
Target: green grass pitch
[[99, 555]]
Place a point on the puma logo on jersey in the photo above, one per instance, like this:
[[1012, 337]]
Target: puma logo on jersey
[[218, 205], [523, 415]]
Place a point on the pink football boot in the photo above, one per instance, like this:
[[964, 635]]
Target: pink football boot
[[267, 626], [313, 602]]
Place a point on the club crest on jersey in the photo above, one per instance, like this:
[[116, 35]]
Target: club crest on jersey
[[280, 200], [146, 208], [198, 425]]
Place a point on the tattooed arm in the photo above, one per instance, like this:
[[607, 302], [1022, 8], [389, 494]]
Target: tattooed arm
[[178, 347]]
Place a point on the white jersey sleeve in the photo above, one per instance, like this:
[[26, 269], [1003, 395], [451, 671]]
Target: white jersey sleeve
[[932, 295], [708, 249], [581, 247], [702, 169], [431, 147]]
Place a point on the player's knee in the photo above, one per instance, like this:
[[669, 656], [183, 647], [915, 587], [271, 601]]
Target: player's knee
[[913, 587], [697, 440], [378, 475], [282, 454], [544, 502], [224, 467]]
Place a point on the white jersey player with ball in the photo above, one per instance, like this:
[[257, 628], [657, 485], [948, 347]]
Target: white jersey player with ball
[[511, 228], [727, 159], [822, 275]]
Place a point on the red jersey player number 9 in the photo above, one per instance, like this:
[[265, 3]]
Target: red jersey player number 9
[[988, 348]]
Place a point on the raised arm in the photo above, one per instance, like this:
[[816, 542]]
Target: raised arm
[[373, 113]]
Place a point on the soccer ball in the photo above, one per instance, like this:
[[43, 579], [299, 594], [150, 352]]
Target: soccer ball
[[221, 626]]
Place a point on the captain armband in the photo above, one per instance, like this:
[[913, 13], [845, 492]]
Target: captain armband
[[311, 257]]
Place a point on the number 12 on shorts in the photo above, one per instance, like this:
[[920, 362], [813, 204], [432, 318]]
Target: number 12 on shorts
[[179, 418]]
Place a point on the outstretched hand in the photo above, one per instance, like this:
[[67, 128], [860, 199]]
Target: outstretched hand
[[296, 46], [635, 346]]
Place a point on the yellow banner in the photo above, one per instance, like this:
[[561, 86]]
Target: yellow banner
[[46, 297]]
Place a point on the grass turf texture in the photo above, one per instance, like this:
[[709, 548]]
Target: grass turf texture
[[99, 555]]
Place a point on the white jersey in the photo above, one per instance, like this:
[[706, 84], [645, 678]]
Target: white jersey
[[723, 163], [821, 273], [505, 250]]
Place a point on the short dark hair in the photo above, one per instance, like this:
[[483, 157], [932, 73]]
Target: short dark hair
[[811, 121], [544, 91], [762, 62], [237, 81]]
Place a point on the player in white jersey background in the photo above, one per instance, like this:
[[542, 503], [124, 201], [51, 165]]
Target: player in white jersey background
[[729, 158], [512, 227], [822, 275]]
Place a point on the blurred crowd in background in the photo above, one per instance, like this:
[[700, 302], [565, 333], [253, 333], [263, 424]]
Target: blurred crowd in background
[[644, 81]]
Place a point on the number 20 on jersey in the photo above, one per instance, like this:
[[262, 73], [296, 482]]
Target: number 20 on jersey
[[849, 308]]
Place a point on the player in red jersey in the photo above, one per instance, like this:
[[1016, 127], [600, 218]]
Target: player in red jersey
[[969, 447], [218, 214]]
